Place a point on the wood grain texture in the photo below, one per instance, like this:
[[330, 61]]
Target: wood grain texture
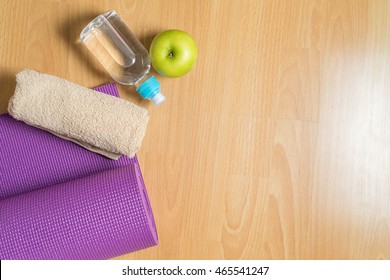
[[275, 146]]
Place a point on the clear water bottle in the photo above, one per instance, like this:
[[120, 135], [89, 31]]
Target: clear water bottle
[[121, 54]]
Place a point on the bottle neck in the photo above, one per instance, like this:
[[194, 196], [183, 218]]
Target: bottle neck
[[141, 80]]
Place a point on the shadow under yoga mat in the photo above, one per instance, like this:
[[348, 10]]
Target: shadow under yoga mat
[[60, 201]]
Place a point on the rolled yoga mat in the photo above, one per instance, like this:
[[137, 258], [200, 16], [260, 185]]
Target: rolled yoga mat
[[60, 201]]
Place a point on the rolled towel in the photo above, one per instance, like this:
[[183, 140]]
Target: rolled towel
[[101, 123]]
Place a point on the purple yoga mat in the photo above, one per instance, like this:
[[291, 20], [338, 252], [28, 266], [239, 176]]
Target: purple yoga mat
[[60, 201]]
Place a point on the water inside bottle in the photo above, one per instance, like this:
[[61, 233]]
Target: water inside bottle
[[116, 48]]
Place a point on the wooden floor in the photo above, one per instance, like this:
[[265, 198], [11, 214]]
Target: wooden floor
[[276, 146]]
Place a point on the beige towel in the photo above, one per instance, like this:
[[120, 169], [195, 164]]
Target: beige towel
[[97, 121]]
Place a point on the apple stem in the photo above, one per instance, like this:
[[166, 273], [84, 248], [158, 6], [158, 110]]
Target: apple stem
[[170, 54]]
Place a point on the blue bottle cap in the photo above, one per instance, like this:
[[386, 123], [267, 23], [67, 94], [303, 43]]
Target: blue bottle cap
[[150, 89]]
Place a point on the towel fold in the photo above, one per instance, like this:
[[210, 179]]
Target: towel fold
[[97, 121]]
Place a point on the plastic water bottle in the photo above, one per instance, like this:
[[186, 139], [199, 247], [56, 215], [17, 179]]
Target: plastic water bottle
[[121, 54]]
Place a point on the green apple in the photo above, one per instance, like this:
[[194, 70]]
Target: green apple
[[173, 53]]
